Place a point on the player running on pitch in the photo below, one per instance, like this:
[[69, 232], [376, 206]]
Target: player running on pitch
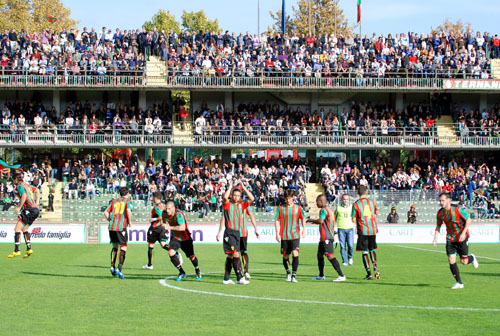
[[233, 220], [247, 216], [457, 223], [288, 233], [326, 224], [363, 215], [28, 211], [180, 238], [119, 215]]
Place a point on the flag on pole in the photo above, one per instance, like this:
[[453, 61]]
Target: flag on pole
[[51, 19], [359, 11], [283, 17], [4, 165]]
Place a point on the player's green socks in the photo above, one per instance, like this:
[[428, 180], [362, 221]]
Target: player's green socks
[[150, 256], [321, 266], [336, 266], [286, 265], [455, 272], [114, 252], [17, 241], [122, 259]]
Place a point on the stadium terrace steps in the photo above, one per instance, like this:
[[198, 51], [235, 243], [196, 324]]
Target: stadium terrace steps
[[156, 71], [312, 191], [495, 68], [49, 216], [185, 136], [446, 131]]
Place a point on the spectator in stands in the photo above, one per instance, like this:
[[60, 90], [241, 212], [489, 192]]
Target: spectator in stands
[[412, 215], [393, 217]]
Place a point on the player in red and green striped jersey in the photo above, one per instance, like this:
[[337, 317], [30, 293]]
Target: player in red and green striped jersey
[[326, 224], [119, 215], [288, 233], [156, 231], [247, 216], [457, 223], [363, 215], [233, 220], [180, 238], [27, 211]]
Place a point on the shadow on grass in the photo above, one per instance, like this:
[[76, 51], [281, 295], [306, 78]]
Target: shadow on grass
[[127, 276], [88, 266], [483, 274], [375, 282]]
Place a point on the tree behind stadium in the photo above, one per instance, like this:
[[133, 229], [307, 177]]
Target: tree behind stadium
[[326, 17], [196, 21], [35, 15]]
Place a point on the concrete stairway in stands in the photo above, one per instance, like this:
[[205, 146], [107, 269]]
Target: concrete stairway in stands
[[312, 191], [447, 134], [156, 72], [49, 216], [495, 68], [184, 136]]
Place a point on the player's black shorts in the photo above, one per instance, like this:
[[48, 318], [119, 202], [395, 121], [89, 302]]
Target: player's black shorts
[[119, 237], [325, 247], [185, 245], [243, 244], [287, 246], [156, 234], [462, 249], [231, 241], [28, 215], [366, 243]]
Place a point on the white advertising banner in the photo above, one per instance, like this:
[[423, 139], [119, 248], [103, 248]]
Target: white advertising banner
[[388, 234], [48, 233]]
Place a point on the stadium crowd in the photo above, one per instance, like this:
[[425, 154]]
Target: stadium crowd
[[218, 54], [475, 123]]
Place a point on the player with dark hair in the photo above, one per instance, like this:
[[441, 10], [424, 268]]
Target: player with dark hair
[[119, 215], [457, 222], [180, 238], [326, 224], [27, 211], [156, 231], [363, 215], [288, 233], [234, 211]]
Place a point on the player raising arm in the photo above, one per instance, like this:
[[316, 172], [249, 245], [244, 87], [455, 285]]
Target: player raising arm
[[457, 223]]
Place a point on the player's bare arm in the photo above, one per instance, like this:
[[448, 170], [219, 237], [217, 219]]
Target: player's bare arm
[[277, 230], [21, 203], [228, 192], [221, 229], [436, 234], [463, 235], [254, 224], [129, 217]]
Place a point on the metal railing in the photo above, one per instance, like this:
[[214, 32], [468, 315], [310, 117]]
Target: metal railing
[[18, 81]]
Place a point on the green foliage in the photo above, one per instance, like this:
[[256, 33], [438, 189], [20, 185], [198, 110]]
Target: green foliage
[[163, 20], [196, 21]]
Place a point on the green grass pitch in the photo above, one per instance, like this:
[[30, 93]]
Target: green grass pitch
[[67, 289]]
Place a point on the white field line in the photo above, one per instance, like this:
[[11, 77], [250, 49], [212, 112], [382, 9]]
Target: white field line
[[442, 252]]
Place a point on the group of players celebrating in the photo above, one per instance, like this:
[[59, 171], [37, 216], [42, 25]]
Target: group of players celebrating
[[233, 230]]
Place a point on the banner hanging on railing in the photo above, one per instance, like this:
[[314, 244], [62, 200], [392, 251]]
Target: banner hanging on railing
[[48, 233], [472, 84]]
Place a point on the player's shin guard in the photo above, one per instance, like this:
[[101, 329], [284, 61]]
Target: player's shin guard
[[114, 252], [150, 256], [227, 268], [366, 262], [122, 259], [373, 257], [176, 263], [321, 266], [336, 266], [295, 265], [286, 265], [244, 256], [237, 268], [456, 273], [17, 241], [27, 239]]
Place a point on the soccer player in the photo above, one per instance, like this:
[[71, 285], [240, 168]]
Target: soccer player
[[326, 224], [119, 215], [247, 216], [363, 215], [288, 233], [27, 213], [457, 222], [345, 228], [180, 238], [156, 232], [233, 220]]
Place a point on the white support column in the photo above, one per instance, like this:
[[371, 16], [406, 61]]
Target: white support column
[[483, 102], [314, 101], [56, 101], [399, 103], [142, 100]]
